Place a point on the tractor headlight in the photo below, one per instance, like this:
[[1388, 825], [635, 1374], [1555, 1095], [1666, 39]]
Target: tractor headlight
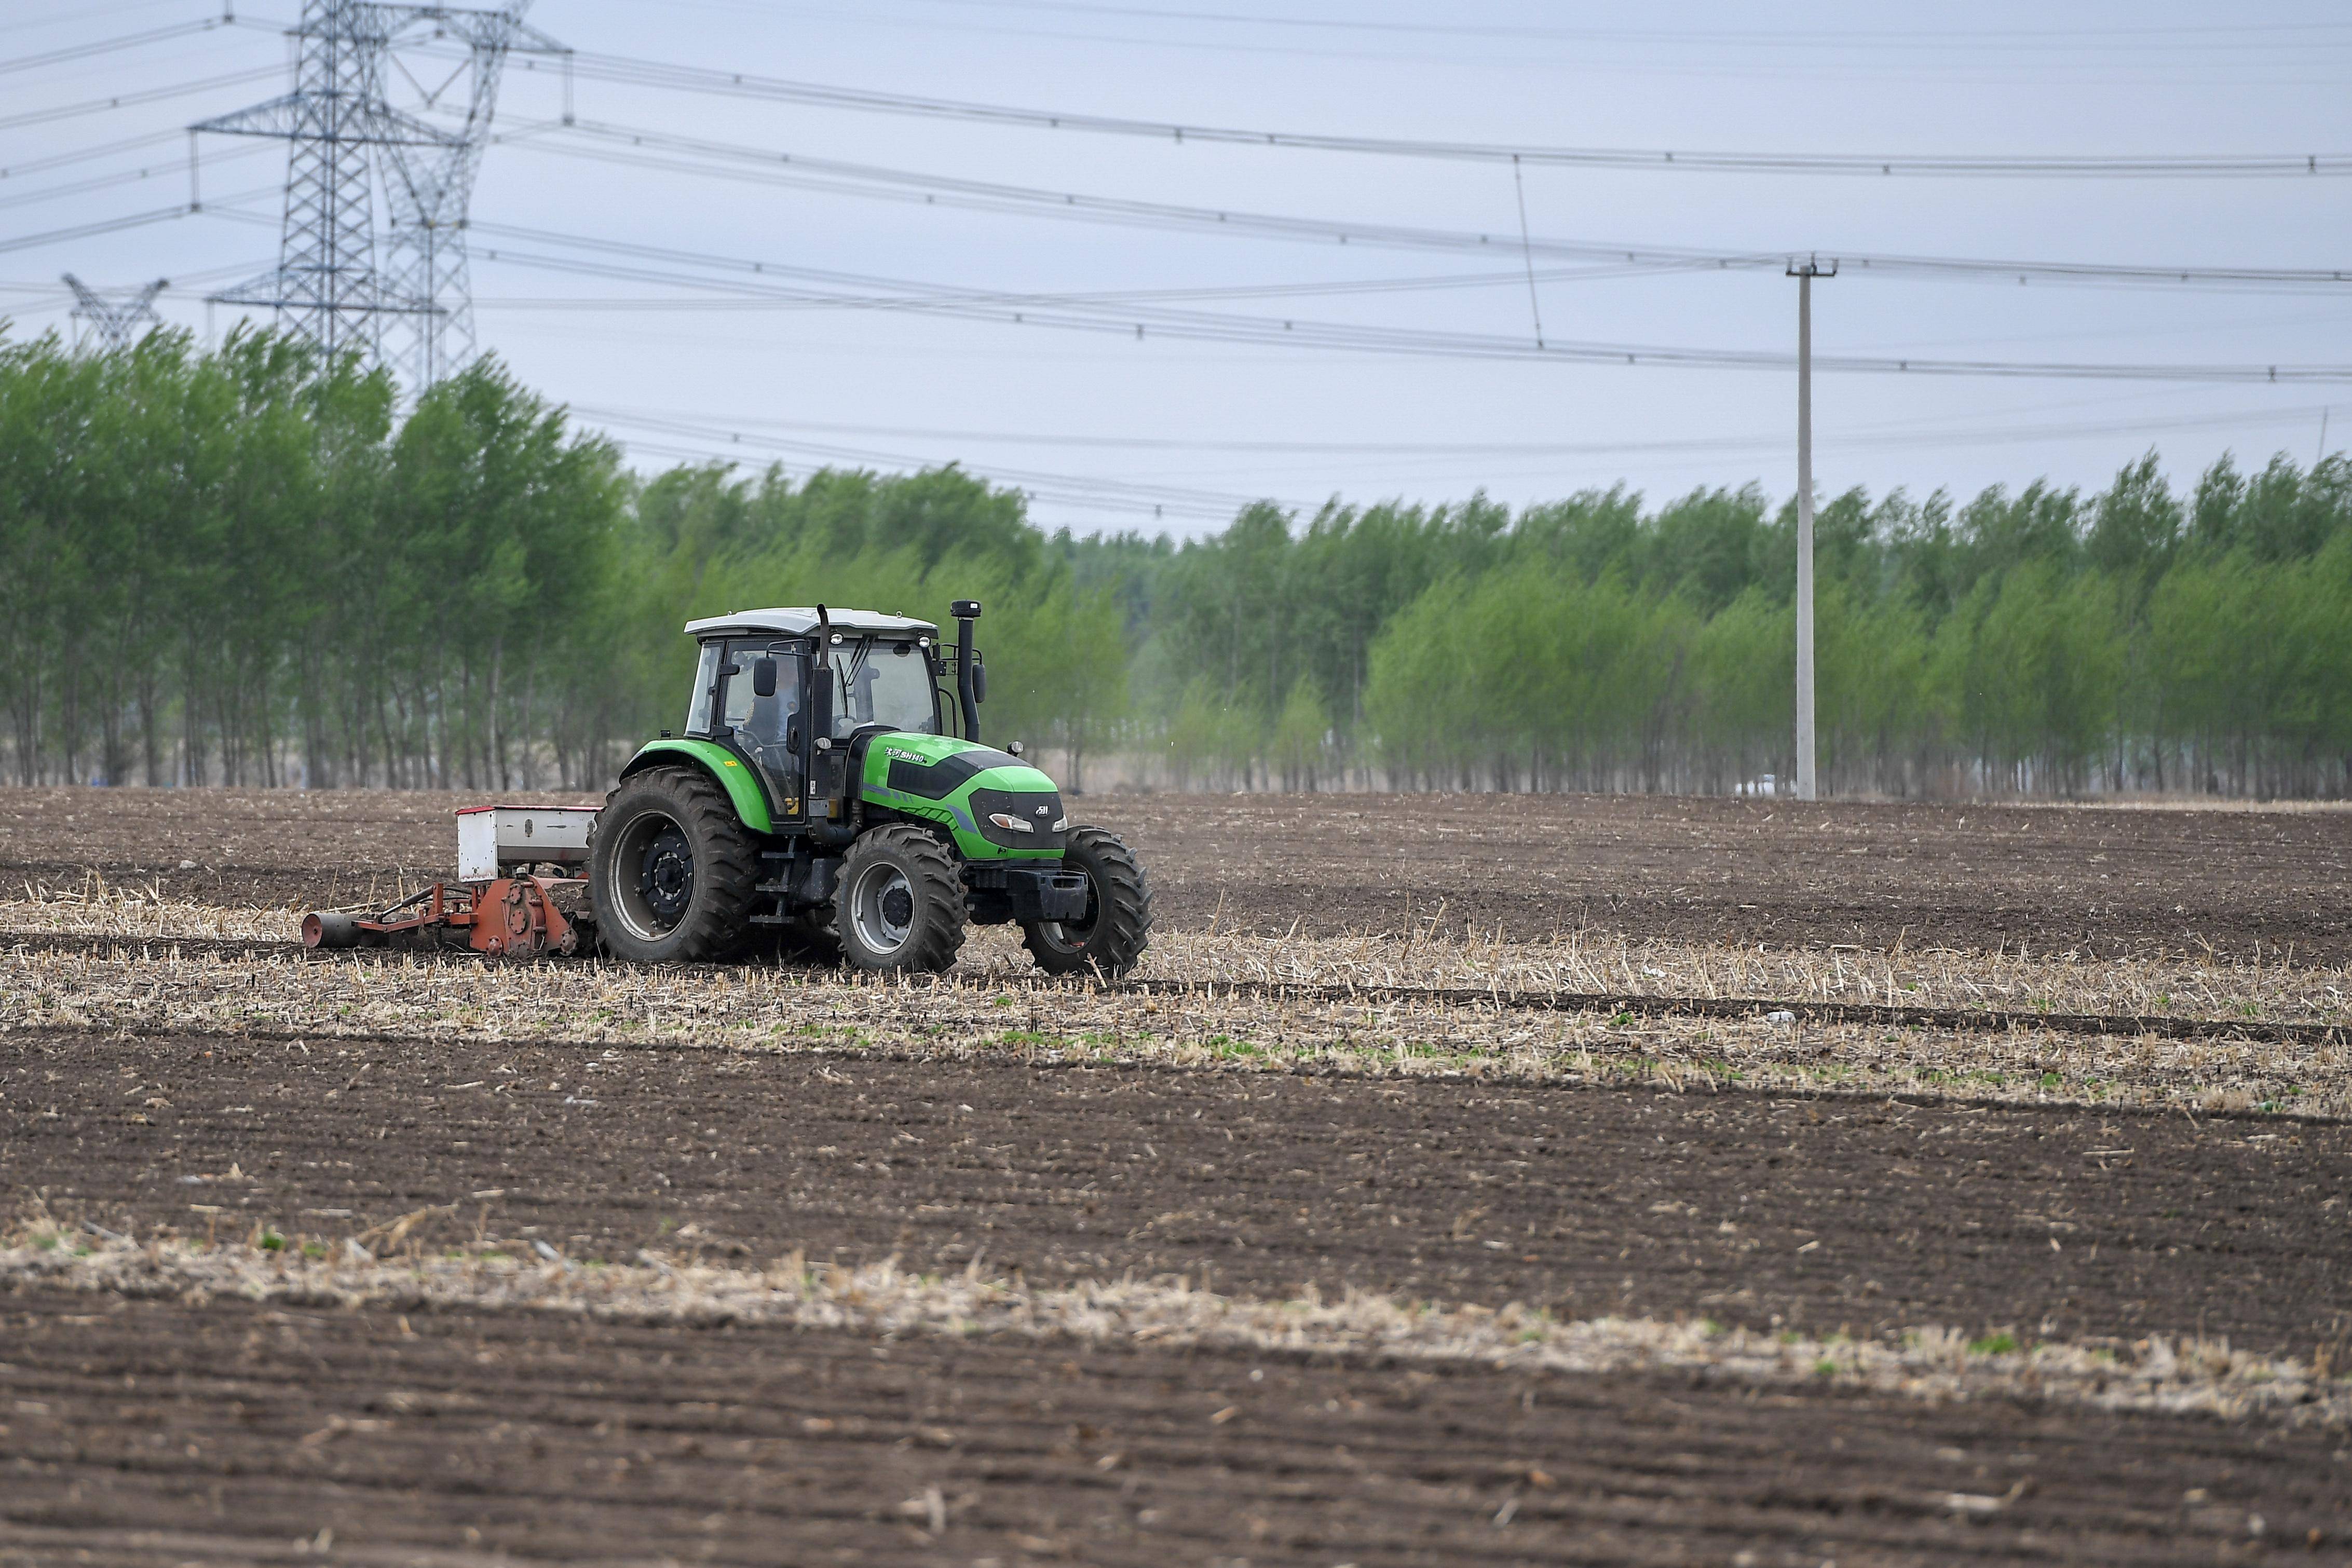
[[1059, 824], [1011, 823]]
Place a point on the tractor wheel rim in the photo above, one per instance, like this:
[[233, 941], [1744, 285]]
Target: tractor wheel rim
[[655, 876], [882, 907]]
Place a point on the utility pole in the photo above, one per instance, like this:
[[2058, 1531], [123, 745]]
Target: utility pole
[[1808, 754]]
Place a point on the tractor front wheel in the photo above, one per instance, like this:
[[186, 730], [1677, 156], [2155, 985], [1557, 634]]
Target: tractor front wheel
[[898, 904], [1117, 926], [671, 870]]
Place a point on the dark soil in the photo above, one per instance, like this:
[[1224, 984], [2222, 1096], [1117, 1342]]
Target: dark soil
[[1825, 1214], [2099, 882], [2103, 882], [162, 1432]]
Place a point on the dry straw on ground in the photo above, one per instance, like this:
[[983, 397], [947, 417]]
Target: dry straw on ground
[[1442, 954], [2154, 1376], [95, 906], [1917, 978], [1000, 1013]]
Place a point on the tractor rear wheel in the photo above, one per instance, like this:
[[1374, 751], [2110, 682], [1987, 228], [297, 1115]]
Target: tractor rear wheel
[[671, 870], [1117, 926], [899, 902]]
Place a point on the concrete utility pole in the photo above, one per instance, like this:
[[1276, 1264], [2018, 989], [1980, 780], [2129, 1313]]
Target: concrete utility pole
[[1808, 755]]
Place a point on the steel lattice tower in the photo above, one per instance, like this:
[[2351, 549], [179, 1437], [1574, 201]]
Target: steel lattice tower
[[116, 320], [428, 188], [325, 285], [343, 134]]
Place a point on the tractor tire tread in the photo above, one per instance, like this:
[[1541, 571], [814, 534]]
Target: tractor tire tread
[[1122, 925], [726, 860], [937, 944]]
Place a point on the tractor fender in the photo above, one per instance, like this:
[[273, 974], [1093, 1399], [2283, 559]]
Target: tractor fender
[[722, 765]]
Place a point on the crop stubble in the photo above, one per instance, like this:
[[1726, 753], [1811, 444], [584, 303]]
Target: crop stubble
[[1000, 1006], [1458, 1175], [1762, 1212], [2101, 882], [164, 1431]]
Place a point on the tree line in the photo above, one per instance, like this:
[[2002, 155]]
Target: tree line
[[2037, 642], [243, 565]]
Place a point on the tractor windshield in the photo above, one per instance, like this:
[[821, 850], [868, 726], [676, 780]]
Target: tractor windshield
[[883, 681]]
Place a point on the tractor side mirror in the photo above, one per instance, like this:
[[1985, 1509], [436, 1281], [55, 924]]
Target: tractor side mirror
[[979, 682], [763, 677]]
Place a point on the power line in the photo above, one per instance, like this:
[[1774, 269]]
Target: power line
[[84, 231], [52, 296], [1139, 320], [2190, 62], [2193, 37], [1074, 488], [729, 297], [105, 150], [1089, 500], [870, 181], [81, 14], [105, 181], [691, 78], [130, 41], [731, 437], [787, 301], [127, 99], [1899, 436]]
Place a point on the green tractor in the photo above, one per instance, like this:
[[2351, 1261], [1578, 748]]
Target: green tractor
[[830, 798]]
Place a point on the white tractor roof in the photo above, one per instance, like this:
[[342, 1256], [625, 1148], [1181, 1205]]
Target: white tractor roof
[[799, 623]]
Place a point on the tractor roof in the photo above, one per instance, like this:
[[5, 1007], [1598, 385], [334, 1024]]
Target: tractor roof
[[797, 622]]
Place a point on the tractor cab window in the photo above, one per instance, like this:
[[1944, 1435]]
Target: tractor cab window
[[706, 676], [883, 680], [753, 716]]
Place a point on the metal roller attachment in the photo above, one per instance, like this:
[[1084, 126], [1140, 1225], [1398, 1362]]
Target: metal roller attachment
[[330, 930], [325, 928]]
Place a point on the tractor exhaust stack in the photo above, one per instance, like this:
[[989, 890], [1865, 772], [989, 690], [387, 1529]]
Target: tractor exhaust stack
[[971, 685]]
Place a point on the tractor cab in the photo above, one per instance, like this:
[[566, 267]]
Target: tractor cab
[[830, 793], [788, 691]]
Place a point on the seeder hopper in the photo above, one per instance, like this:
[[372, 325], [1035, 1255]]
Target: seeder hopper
[[512, 898]]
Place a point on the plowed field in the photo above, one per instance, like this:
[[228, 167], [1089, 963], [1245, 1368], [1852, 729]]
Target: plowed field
[[1822, 1215], [358, 1117], [151, 1432], [2104, 883]]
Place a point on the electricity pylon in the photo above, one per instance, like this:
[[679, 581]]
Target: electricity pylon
[[344, 134], [325, 285], [116, 316], [429, 187]]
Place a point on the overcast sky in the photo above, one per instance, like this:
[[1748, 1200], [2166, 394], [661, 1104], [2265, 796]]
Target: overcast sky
[[1105, 426]]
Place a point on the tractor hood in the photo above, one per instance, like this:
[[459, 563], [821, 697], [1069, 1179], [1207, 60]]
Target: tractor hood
[[998, 807]]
